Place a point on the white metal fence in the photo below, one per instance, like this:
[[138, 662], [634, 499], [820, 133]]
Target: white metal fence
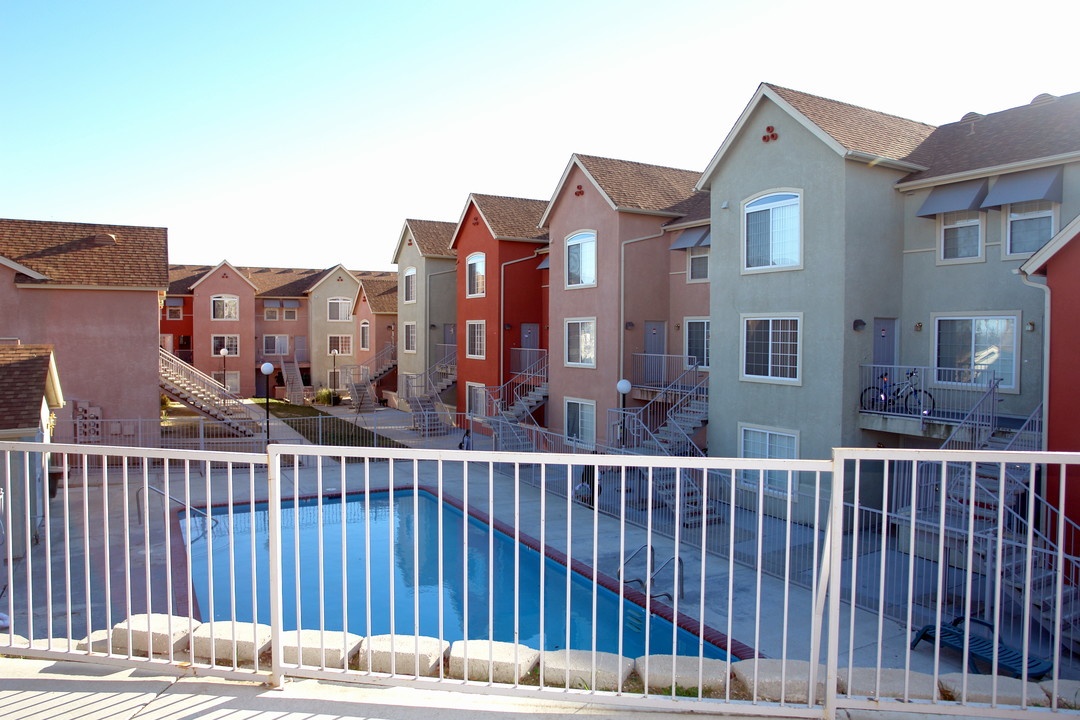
[[789, 588]]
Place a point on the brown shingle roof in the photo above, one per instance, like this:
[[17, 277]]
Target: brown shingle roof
[[512, 217], [381, 294], [1045, 128], [640, 186], [859, 129], [24, 371], [269, 282], [87, 254], [695, 207], [433, 236]]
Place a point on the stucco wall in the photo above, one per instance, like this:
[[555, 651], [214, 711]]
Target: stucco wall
[[225, 281], [336, 284]]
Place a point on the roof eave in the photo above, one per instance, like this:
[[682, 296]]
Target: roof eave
[[990, 170], [19, 267], [574, 160], [881, 161]]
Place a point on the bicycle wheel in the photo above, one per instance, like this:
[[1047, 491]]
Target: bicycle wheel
[[873, 398], [919, 402]]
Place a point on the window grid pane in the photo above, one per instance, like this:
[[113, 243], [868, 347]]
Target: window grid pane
[[475, 339], [772, 348]]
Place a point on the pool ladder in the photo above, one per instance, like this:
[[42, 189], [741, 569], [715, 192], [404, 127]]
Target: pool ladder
[[652, 563]]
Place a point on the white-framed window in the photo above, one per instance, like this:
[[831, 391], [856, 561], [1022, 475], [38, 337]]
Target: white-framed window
[[408, 282], [288, 313], [961, 236], [275, 344], [270, 314], [225, 307], [581, 260], [969, 347], [341, 343], [229, 342], [475, 275], [333, 379], [231, 379], [174, 313], [580, 342], [475, 399], [772, 232], [696, 340], [1030, 226], [580, 420], [475, 338], [365, 335], [771, 348], [408, 337], [339, 309], [770, 444], [697, 264]]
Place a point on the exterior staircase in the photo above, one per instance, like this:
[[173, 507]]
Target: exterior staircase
[[295, 390], [360, 380], [183, 383], [515, 400], [423, 392], [667, 423]]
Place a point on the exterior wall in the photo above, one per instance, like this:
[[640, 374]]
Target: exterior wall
[[106, 344], [435, 305], [686, 298], [296, 330], [178, 329], [647, 299], [986, 286], [511, 304], [225, 281], [570, 214], [797, 161], [337, 284]]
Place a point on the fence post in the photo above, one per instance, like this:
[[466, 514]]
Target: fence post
[[833, 549], [273, 479]]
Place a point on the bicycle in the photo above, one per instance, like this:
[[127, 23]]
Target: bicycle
[[888, 397]]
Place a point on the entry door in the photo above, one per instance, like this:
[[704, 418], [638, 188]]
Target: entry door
[[449, 332], [885, 341], [530, 335], [655, 344], [166, 342]]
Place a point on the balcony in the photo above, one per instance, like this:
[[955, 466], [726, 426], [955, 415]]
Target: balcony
[[918, 400]]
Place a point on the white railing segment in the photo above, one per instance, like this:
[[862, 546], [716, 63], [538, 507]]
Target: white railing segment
[[187, 376], [723, 583]]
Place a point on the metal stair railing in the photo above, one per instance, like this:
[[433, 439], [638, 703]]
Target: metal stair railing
[[683, 443], [504, 398], [1029, 436], [631, 428], [186, 377], [978, 424]]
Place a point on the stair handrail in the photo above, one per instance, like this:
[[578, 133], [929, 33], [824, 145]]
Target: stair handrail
[[979, 422], [679, 577], [651, 560], [171, 365], [620, 418], [1028, 437], [699, 392], [503, 397]]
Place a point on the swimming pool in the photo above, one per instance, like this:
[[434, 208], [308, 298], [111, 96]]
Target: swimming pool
[[337, 597]]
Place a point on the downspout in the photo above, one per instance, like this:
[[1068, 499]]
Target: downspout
[[502, 309], [622, 297], [1046, 348]]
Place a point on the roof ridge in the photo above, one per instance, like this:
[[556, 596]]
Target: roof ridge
[[846, 104], [635, 162]]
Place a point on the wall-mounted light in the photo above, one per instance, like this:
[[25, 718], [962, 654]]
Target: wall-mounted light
[[678, 326], [507, 326], [918, 327], [724, 205], [1030, 326], [858, 325], [433, 326], [629, 324]]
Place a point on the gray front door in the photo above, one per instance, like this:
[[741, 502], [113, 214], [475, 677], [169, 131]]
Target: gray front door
[[884, 341], [449, 333], [655, 344], [530, 335]]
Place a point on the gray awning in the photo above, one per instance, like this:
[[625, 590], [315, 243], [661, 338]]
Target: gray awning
[[290, 303], [1041, 184], [694, 237], [174, 302], [957, 196], [271, 303], [544, 264]]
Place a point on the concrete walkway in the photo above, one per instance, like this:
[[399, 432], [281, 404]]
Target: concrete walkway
[[58, 690]]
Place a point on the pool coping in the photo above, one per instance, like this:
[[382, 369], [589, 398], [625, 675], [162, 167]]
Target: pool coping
[[738, 650]]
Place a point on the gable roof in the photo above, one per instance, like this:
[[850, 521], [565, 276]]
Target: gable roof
[[1045, 131], [507, 218], [224, 264], [381, 294], [851, 131], [268, 281], [27, 374], [85, 254], [630, 186], [432, 238]]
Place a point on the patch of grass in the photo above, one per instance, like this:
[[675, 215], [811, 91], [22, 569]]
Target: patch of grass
[[282, 409], [331, 430]]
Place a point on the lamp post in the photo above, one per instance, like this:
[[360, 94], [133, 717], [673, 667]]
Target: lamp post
[[623, 387], [224, 352], [333, 391], [267, 369]]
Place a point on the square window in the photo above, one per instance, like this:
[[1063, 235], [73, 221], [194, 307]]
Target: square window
[[230, 342], [288, 313], [341, 343], [771, 348], [339, 309], [474, 338], [275, 344], [1031, 225], [976, 349], [225, 307], [771, 445], [174, 313], [581, 260], [581, 342], [961, 235]]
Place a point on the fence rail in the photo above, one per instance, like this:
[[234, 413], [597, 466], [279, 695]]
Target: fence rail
[[385, 565]]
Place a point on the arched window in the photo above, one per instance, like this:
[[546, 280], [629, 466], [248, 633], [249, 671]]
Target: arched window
[[409, 284], [581, 259], [474, 268], [772, 232]]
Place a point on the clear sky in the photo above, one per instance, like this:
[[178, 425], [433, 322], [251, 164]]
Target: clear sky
[[303, 133]]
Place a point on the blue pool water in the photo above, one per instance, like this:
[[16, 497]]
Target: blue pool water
[[465, 589]]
